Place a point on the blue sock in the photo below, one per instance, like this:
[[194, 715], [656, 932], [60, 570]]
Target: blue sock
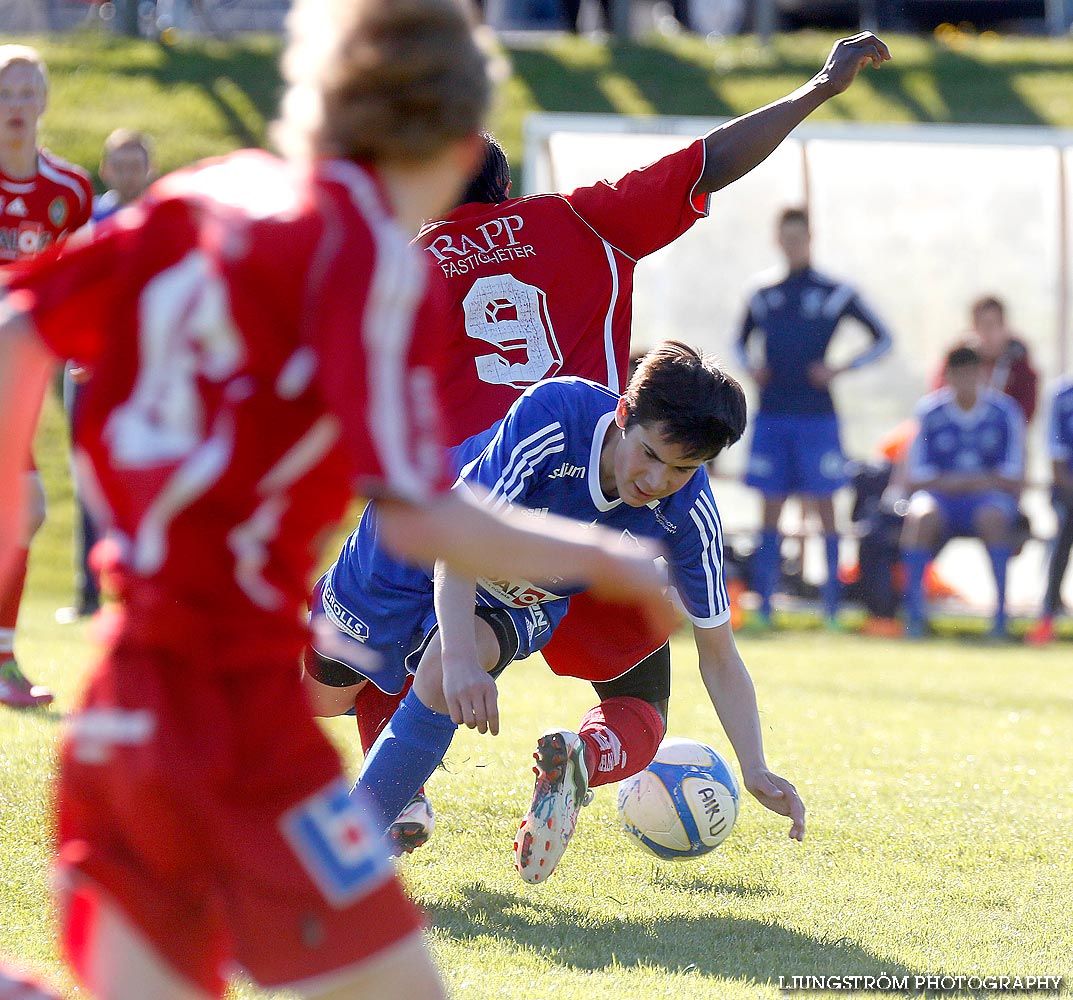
[[1000, 557], [832, 588], [404, 756], [916, 562], [767, 563]]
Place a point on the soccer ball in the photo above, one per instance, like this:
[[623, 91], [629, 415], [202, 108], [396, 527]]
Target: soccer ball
[[683, 804]]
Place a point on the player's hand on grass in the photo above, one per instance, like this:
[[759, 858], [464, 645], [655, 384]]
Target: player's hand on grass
[[778, 795], [848, 57], [471, 695]]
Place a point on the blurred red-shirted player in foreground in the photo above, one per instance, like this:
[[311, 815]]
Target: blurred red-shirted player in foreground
[[42, 200], [249, 328]]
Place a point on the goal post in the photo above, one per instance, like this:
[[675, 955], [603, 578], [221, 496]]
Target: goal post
[[922, 219]]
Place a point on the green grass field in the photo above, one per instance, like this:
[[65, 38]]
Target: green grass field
[[938, 776], [940, 840], [199, 98]]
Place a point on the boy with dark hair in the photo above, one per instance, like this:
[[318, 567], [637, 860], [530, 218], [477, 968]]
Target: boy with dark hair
[[568, 446], [965, 470]]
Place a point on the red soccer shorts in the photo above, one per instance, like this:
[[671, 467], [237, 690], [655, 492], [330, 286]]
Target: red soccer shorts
[[206, 803], [599, 641]]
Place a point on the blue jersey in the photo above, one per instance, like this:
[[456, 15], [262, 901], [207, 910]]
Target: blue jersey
[[544, 455], [987, 439], [105, 205], [1060, 424], [797, 318]]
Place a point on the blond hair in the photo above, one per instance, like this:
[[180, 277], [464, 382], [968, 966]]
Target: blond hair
[[381, 80], [127, 138], [12, 55]]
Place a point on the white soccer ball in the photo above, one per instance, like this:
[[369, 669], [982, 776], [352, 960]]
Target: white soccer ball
[[683, 804]]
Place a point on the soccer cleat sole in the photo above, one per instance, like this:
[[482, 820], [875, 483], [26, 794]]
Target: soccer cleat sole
[[539, 846], [405, 838]]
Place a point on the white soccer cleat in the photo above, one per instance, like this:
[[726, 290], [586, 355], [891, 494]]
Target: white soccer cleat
[[562, 788], [413, 826]]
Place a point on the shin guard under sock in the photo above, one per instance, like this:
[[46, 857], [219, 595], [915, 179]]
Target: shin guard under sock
[[621, 736]]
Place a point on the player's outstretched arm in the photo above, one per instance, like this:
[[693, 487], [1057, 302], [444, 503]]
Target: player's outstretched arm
[[731, 690], [468, 690], [25, 365], [733, 149], [473, 541]]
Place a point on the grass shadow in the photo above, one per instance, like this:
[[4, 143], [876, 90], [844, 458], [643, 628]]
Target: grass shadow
[[240, 77], [671, 84], [681, 880], [708, 944], [559, 83]]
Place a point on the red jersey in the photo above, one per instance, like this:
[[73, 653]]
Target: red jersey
[[543, 285], [249, 329], [41, 211]]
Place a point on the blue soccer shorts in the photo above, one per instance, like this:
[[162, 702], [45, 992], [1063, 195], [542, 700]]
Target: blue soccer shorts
[[796, 454], [958, 513], [379, 633]]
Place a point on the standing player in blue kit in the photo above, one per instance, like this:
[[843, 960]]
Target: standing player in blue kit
[[796, 448]]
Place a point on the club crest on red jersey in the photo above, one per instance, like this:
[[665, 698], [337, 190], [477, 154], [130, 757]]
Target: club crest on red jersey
[[57, 212]]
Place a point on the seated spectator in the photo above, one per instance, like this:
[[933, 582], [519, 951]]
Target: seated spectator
[[127, 169], [965, 471], [1060, 448], [1004, 361]]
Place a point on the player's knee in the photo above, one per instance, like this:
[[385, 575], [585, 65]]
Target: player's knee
[[330, 687], [428, 680], [921, 520]]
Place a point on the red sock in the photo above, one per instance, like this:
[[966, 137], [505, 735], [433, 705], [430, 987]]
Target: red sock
[[373, 708], [10, 599], [621, 735]]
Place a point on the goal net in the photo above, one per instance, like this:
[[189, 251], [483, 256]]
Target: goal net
[[921, 219]]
